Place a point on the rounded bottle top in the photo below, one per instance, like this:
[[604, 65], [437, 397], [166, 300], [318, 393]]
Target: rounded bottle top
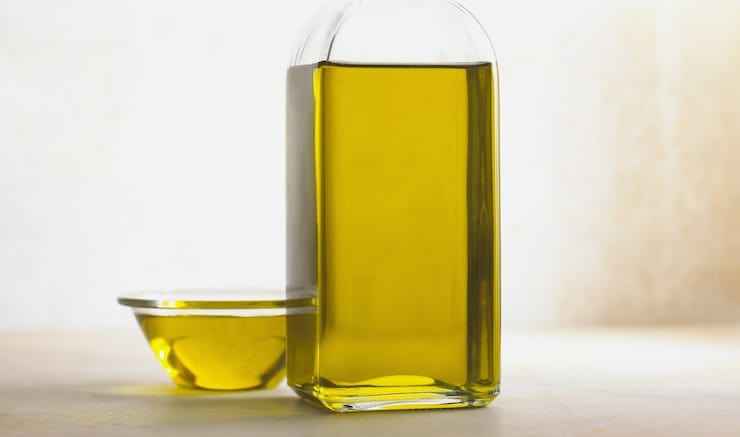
[[394, 32]]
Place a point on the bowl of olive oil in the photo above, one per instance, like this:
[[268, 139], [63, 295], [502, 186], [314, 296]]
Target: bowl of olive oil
[[233, 340]]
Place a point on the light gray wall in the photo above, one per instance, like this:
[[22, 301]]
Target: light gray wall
[[141, 146]]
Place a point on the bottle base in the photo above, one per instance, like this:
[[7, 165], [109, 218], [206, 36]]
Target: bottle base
[[352, 399]]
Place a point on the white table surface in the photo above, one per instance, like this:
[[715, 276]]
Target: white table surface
[[590, 382]]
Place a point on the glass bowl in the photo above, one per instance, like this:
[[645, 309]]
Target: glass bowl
[[216, 340]]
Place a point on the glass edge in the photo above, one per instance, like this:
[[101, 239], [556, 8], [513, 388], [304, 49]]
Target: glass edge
[[185, 304]]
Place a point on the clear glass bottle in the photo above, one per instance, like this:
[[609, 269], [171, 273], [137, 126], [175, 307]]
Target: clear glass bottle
[[393, 208]]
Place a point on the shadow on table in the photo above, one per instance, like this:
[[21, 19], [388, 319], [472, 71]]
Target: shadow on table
[[183, 404], [162, 408]]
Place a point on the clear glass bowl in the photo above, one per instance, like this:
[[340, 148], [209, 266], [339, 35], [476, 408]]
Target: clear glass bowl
[[216, 340]]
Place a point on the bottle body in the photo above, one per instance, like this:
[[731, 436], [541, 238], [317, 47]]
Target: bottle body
[[393, 229]]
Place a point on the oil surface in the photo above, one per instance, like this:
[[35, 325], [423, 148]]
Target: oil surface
[[393, 225], [218, 352]]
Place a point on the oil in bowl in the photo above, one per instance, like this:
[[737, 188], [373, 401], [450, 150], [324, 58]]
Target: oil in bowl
[[215, 341], [218, 352]]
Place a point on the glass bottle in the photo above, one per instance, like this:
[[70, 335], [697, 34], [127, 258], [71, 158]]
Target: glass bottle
[[393, 208]]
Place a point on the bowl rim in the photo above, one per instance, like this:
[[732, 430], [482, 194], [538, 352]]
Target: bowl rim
[[213, 299]]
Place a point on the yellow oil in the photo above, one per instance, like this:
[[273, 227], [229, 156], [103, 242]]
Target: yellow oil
[[393, 225], [218, 352]]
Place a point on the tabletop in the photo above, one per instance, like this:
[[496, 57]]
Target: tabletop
[[570, 382]]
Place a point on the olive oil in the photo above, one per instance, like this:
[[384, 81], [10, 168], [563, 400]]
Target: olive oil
[[218, 352], [393, 227]]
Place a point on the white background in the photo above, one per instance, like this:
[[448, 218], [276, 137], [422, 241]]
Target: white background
[[141, 146]]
